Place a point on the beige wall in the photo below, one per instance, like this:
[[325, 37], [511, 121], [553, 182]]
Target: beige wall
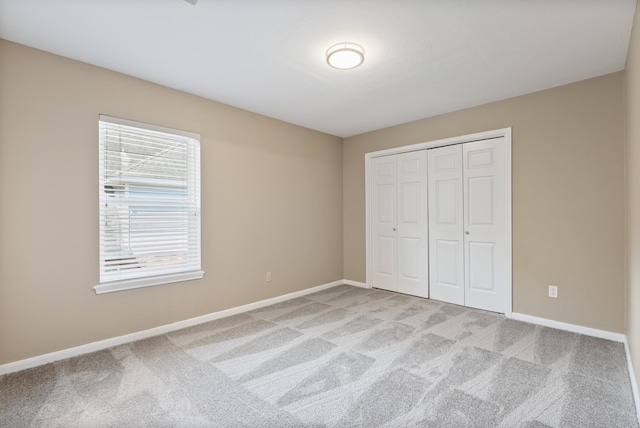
[[271, 201], [568, 195], [285, 199], [632, 137]]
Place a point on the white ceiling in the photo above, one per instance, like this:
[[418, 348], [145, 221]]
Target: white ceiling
[[423, 58]]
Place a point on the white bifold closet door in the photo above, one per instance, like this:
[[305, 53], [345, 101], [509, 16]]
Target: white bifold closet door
[[446, 234], [467, 221], [399, 223]]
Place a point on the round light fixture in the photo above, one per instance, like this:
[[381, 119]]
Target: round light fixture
[[345, 56]]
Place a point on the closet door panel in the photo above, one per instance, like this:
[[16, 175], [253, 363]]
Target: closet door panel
[[446, 265], [413, 249], [484, 218], [383, 192]]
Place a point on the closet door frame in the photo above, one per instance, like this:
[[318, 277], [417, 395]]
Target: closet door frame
[[506, 133]]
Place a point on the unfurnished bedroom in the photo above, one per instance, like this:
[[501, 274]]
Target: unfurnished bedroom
[[319, 213]]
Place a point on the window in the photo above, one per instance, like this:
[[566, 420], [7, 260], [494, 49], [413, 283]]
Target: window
[[149, 205]]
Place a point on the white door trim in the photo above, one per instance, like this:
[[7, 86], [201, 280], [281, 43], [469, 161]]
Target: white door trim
[[504, 132]]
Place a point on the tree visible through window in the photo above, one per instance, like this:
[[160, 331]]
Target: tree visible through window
[[149, 205]]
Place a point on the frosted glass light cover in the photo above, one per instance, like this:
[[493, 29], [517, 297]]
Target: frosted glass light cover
[[345, 56]]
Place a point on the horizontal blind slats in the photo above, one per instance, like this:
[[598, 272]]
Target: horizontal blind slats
[[149, 202]]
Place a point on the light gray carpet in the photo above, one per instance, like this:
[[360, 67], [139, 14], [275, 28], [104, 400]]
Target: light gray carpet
[[343, 357]]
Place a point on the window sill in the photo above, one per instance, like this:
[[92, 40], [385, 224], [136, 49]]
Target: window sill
[[109, 287]]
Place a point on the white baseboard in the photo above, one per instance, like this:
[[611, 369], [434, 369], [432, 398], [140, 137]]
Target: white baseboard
[[156, 331], [355, 283], [632, 376], [602, 334]]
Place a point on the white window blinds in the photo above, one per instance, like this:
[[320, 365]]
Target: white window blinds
[[149, 205]]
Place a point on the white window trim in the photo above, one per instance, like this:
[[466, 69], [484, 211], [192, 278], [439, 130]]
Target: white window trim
[[129, 284], [148, 281], [125, 122]]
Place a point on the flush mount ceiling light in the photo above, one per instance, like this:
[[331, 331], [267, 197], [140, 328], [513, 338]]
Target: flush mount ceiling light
[[345, 56]]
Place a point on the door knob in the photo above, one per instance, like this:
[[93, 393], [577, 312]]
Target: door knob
[[394, 229], [466, 233]]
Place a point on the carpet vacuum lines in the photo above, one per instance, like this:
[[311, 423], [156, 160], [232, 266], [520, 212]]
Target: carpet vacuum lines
[[342, 357]]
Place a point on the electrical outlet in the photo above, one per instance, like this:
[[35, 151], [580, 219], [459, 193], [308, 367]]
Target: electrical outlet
[[553, 291], [268, 277]]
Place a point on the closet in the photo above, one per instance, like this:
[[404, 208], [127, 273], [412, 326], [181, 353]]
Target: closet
[[439, 223], [399, 201]]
